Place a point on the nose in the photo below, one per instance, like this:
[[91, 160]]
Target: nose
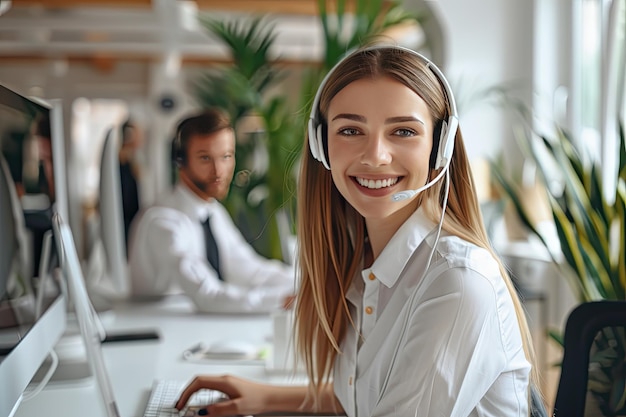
[[219, 168], [376, 151], [211, 169]]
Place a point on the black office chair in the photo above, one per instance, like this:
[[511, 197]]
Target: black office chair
[[583, 325]]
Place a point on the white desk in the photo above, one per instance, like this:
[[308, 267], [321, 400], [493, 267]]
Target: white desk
[[133, 366]]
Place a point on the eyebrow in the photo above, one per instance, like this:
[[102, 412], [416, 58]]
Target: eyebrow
[[206, 152], [359, 118]]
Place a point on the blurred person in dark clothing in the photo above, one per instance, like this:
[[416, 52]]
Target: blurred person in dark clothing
[[129, 172]]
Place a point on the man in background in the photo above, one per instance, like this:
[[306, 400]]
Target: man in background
[[189, 242], [129, 173]]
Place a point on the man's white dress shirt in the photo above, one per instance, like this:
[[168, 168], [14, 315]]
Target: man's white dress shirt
[[168, 254], [443, 341]]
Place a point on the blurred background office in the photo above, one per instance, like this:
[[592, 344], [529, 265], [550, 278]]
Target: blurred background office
[[153, 61]]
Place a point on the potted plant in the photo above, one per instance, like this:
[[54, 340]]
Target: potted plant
[[262, 198], [591, 229]]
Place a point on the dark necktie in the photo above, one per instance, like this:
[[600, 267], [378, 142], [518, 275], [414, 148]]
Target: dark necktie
[[212, 253]]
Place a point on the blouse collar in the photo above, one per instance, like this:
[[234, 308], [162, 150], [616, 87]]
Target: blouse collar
[[394, 257]]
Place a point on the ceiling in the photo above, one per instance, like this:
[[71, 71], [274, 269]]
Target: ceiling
[[144, 29]]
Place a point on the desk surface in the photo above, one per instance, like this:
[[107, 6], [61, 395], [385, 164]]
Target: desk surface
[[133, 366]]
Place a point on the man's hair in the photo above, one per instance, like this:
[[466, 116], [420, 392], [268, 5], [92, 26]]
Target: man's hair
[[209, 121]]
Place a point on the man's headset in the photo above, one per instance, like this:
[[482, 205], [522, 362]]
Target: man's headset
[[179, 151], [178, 154], [316, 126]]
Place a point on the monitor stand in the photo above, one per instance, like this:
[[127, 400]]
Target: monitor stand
[[100, 303], [73, 366], [66, 373]]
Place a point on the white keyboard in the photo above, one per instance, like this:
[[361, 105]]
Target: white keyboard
[[165, 393]]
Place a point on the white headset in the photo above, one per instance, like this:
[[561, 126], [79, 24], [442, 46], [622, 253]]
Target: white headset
[[448, 128]]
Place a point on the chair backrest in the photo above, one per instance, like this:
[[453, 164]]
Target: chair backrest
[[582, 327]]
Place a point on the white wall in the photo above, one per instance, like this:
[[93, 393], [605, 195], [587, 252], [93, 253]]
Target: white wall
[[489, 43]]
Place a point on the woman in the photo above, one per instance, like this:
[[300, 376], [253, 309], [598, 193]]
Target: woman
[[403, 308]]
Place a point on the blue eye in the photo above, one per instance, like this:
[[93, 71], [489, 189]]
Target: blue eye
[[405, 132], [348, 131]]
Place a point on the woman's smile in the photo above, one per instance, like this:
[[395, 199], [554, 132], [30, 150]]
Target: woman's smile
[[376, 184]]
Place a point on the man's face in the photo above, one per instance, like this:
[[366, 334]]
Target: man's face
[[210, 164], [134, 138]]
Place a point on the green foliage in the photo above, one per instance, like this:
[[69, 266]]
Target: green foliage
[[590, 225], [241, 89], [592, 234], [369, 23], [257, 195]]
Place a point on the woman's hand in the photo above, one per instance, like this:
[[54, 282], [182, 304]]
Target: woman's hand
[[244, 397]]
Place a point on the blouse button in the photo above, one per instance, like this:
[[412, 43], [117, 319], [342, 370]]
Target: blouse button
[[369, 310], [372, 277], [350, 381]]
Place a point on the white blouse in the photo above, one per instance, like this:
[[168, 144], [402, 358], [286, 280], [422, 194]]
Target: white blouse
[[444, 341], [167, 254]]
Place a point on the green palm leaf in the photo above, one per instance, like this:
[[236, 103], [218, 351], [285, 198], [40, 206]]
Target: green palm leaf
[[591, 228]]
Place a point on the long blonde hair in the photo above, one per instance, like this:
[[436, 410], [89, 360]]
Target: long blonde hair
[[331, 233]]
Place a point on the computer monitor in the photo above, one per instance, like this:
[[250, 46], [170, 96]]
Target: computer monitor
[[112, 217], [29, 328], [33, 145], [28, 331], [36, 341], [89, 324]]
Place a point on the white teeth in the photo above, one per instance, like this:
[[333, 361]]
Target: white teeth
[[376, 184]]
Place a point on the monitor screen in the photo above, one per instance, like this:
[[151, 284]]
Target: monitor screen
[[32, 144], [30, 322]]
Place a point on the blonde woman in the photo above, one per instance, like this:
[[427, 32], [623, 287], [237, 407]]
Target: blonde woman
[[403, 308]]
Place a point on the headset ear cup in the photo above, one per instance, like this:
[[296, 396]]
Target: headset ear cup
[[313, 146], [175, 152], [181, 157], [446, 142], [443, 137], [434, 153], [320, 144]]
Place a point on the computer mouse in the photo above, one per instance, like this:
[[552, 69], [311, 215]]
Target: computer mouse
[[232, 349]]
